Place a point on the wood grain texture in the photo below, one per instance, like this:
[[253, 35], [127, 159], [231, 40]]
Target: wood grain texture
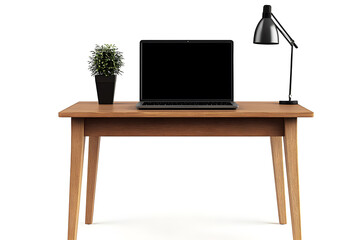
[[184, 127], [277, 156], [76, 169], [291, 159], [94, 146], [128, 109]]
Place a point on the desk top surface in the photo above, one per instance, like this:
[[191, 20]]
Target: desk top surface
[[128, 110]]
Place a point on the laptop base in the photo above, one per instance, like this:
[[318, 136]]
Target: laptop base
[[186, 105]]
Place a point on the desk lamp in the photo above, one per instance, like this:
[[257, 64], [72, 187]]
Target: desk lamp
[[266, 32]]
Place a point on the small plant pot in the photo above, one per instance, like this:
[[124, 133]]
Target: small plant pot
[[105, 86]]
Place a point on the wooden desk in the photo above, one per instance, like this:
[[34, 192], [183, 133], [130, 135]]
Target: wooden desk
[[123, 119]]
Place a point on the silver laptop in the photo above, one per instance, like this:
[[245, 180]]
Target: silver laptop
[[186, 74]]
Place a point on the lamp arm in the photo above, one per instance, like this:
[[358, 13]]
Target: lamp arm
[[283, 32], [292, 44]]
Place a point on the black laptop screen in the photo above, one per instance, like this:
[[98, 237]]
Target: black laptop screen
[[186, 70]]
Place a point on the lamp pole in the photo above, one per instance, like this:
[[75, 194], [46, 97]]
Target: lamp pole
[[291, 63], [292, 43]]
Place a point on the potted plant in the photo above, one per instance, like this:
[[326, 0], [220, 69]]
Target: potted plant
[[105, 63]]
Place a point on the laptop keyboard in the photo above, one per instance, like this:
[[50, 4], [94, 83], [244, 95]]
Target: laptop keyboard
[[186, 103]]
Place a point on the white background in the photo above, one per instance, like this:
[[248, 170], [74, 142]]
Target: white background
[[177, 188]]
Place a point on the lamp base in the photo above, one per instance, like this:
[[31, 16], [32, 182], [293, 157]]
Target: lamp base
[[292, 102]]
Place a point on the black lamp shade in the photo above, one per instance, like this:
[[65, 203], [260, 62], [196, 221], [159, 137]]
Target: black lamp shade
[[266, 32]]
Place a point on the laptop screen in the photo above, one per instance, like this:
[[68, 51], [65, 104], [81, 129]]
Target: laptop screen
[[186, 70]]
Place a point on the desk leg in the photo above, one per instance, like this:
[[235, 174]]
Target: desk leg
[[277, 156], [291, 157], [94, 144], [77, 159]]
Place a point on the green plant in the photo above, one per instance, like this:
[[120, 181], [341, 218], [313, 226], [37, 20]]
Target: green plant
[[106, 60]]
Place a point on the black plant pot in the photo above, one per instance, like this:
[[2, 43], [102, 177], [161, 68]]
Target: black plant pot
[[105, 86]]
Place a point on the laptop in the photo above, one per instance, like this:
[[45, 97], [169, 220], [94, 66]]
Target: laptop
[[186, 74]]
